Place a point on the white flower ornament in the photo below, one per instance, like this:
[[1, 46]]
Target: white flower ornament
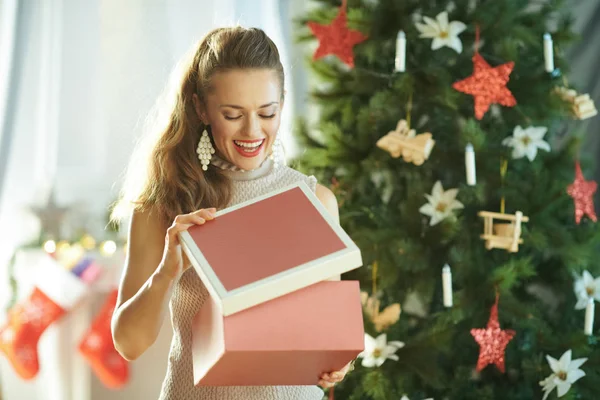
[[441, 204], [442, 32]]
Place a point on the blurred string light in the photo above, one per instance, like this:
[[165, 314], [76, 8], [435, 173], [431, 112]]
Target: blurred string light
[[87, 243]]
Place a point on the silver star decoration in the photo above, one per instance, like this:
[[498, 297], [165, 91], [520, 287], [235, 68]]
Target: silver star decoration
[[51, 217]]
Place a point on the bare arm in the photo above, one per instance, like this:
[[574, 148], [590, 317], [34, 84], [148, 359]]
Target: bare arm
[[153, 263], [143, 291], [330, 202]]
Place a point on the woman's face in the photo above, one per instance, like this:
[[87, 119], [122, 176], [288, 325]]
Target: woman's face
[[244, 112]]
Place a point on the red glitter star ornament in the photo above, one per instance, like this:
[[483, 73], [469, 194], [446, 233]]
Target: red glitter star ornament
[[492, 341], [582, 192], [336, 38], [487, 84]]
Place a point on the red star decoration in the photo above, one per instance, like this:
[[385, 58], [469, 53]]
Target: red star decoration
[[487, 85], [492, 341], [336, 38], [582, 192]]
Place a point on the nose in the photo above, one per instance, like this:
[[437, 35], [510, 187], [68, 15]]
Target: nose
[[252, 127]]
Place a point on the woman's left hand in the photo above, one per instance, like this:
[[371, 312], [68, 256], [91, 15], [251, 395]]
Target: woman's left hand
[[329, 379]]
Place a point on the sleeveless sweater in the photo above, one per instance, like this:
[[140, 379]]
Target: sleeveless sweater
[[189, 294]]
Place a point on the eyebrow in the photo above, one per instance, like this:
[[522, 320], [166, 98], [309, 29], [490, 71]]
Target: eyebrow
[[241, 108]]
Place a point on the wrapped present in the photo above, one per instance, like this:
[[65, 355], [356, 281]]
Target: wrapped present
[[268, 247], [290, 340]]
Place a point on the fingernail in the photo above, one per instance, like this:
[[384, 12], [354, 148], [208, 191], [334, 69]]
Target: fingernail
[[336, 375]]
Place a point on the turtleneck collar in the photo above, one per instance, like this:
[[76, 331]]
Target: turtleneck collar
[[238, 174]]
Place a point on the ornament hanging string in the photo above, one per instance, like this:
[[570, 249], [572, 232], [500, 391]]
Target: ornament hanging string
[[409, 109], [476, 38], [374, 277], [503, 169]]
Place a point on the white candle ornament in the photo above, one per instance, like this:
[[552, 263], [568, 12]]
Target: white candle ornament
[[589, 317], [400, 61], [447, 285], [470, 165], [548, 53]]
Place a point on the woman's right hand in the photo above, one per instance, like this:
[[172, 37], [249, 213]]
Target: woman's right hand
[[172, 261]]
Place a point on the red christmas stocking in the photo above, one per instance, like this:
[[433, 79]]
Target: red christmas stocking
[[55, 292], [98, 349]]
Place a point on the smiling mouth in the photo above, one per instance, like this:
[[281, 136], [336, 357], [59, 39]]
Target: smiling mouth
[[249, 146]]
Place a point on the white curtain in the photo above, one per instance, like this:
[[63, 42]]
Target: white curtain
[[73, 97]]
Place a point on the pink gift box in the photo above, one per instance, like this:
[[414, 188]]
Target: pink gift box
[[270, 246], [291, 340]]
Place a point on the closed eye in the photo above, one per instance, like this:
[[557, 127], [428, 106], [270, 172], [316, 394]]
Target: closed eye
[[232, 118], [268, 116]]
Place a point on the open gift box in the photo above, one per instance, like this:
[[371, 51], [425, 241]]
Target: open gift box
[[272, 317]]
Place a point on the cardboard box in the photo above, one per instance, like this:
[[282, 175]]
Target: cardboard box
[[291, 340], [268, 247]]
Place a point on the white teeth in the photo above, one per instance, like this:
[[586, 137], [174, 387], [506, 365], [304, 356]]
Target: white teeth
[[249, 145]]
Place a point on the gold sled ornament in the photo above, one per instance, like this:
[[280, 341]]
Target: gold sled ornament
[[501, 235], [406, 143], [582, 105]]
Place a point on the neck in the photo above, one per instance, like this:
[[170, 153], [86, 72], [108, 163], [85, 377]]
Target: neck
[[237, 173]]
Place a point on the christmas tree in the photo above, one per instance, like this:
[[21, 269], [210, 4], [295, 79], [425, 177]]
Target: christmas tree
[[442, 132]]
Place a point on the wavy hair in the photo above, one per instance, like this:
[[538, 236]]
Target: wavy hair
[[164, 174]]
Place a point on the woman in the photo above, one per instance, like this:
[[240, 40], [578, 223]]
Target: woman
[[214, 151]]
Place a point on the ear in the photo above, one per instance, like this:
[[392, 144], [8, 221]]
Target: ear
[[200, 111]]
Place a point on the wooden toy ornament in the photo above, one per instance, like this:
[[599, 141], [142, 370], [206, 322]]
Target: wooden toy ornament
[[404, 142], [502, 235]]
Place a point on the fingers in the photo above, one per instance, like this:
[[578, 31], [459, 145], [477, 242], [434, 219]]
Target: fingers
[[184, 221], [333, 377], [197, 217], [328, 380], [172, 238], [326, 385], [206, 213]]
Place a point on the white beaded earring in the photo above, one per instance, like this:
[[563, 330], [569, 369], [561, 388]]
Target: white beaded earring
[[205, 150], [278, 152]]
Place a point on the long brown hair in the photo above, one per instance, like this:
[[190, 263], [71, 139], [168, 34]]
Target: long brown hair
[[164, 174]]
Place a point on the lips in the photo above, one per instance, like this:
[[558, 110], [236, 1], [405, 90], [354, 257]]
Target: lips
[[249, 148]]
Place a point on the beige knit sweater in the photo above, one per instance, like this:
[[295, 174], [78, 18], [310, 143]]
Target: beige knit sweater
[[189, 294]]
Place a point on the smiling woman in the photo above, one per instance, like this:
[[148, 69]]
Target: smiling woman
[[243, 112], [215, 149]]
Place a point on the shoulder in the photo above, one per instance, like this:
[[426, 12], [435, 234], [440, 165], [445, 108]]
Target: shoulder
[[326, 196], [286, 176], [289, 175], [328, 199]]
